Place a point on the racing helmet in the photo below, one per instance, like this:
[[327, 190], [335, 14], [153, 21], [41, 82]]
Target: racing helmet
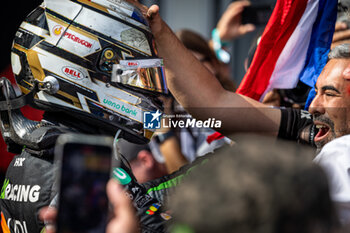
[[94, 60]]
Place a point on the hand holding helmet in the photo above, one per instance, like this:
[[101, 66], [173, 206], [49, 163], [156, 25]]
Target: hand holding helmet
[[75, 45]]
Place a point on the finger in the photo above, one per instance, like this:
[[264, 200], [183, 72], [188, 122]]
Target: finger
[[118, 198], [50, 229], [235, 10], [124, 219], [245, 3], [42, 213], [339, 42], [341, 35], [114, 192], [153, 12], [340, 26], [239, 4], [114, 226], [48, 215], [246, 28]]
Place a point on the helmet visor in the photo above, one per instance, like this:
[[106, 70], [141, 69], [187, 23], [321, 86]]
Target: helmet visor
[[147, 74]]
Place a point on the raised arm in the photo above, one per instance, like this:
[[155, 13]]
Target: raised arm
[[199, 91]]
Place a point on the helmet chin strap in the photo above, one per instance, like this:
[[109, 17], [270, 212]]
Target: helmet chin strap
[[15, 128], [12, 102]]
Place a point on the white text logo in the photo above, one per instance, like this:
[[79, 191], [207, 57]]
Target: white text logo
[[19, 162], [191, 123], [73, 73], [22, 193], [18, 226]]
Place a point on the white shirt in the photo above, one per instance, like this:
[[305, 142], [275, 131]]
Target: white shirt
[[334, 158]]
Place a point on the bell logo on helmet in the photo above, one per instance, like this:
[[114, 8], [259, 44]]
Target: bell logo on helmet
[[133, 64], [73, 73], [57, 30]]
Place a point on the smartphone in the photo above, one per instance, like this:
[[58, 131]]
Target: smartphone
[[85, 168], [257, 15]]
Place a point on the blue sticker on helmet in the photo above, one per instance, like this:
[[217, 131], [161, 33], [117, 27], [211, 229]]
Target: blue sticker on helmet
[[138, 17]]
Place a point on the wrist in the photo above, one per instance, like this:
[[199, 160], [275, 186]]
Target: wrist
[[219, 34], [223, 35], [161, 138]]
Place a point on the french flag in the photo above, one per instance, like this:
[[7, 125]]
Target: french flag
[[293, 47]]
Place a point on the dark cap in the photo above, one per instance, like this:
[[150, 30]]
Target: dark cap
[[131, 150]]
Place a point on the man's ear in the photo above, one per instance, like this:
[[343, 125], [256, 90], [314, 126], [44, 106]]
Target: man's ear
[[146, 158]]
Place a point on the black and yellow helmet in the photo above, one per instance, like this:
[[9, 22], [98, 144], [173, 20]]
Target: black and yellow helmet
[[97, 60]]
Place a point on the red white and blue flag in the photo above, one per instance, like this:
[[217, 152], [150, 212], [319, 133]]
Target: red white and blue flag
[[293, 47]]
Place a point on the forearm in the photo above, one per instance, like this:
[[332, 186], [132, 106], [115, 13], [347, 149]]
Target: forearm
[[200, 92], [171, 150], [188, 80]]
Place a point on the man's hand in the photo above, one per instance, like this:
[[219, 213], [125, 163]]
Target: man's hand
[[156, 23], [152, 15], [124, 215], [230, 25], [197, 89], [341, 34], [48, 215]]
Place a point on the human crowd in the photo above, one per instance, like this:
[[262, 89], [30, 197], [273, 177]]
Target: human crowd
[[271, 167]]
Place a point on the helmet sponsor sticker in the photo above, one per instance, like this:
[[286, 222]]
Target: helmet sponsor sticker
[[73, 73], [77, 39], [142, 63], [133, 64], [73, 39], [57, 30], [78, 44], [123, 108]]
